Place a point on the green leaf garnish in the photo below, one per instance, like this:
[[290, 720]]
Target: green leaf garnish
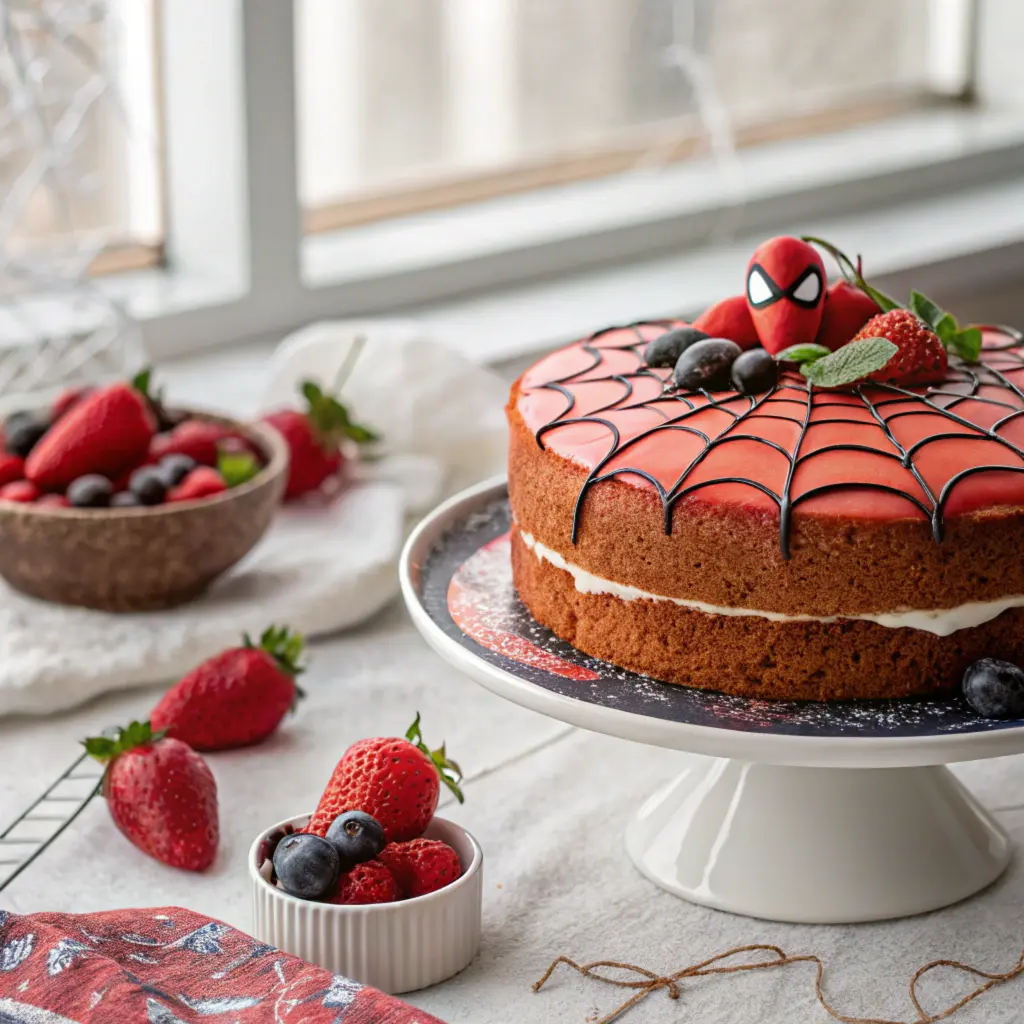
[[806, 353], [923, 308], [966, 343], [962, 341], [237, 467], [854, 361], [851, 271], [447, 769]]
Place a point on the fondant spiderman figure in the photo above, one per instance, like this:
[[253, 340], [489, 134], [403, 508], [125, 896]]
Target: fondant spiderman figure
[[785, 292]]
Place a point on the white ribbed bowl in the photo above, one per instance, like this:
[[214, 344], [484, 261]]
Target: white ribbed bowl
[[394, 947]]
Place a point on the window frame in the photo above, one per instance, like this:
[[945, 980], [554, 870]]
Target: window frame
[[238, 264]]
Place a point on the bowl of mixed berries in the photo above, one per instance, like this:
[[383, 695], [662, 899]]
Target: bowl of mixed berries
[[373, 885], [111, 500]]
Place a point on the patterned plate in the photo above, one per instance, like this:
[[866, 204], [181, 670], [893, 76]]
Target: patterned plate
[[457, 580]]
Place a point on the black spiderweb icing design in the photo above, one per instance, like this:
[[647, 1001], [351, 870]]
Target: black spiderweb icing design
[[975, 403]]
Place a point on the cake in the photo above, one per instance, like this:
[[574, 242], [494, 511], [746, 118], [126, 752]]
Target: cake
[[804, 542]]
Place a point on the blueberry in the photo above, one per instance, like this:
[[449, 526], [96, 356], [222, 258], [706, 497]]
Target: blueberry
[[149, 485], [124, 499], [706, 364], [174, 468], [995, 689], [306, 865], [356, 836], [666, 349], [90, 491], [22, 432], [755, 371]]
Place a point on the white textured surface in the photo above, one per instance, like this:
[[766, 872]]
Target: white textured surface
[[320, 568], [549, 805], [395, 947]]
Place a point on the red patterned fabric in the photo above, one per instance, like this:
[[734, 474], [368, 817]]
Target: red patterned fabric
[[169, 966]]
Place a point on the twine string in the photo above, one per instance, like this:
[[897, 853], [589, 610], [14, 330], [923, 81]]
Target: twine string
[[649, 981]]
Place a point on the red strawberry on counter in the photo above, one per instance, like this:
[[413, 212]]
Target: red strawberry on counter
[[421, 865], [237, 697], [847, 310], [161, 795], [921, 358], [198, 439], [314, 439], [369, 882], [11, 468], [107, 432], [202, 482], [398, 781]]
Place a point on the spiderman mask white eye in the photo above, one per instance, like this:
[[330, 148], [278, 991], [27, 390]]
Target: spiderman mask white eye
[[758, 289], [808, 290]]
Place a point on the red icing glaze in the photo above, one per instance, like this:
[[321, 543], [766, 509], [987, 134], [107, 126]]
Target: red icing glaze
[[576, 398]]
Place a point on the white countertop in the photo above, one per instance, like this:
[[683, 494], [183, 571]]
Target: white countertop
[[549, 804]]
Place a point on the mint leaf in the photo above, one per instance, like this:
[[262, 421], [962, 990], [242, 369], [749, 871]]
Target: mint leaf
[[965, 343], [237, 467], [923, 308], [803, 353], [946, 327], [852, 362]]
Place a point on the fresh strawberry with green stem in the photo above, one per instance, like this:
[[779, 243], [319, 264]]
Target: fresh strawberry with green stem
[[369, 882], [237, 697], [920, 358], [964, 342], [398, 781], [421, 865], [67, 400], [107, 432], [161, 795], [314, 438]]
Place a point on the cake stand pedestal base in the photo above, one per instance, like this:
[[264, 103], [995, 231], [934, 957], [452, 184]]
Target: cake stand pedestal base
[[817, 845]]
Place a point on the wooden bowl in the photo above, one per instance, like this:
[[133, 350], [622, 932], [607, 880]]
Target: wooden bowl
[[146, 558]]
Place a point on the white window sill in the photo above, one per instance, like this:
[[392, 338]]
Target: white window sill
[[936, 197]]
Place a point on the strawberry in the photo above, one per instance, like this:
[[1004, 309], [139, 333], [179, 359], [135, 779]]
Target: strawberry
[[198, 439], [161, 795], [847, 310], [398, 781], [921, 359], [237, 697], [23, 491], [202, 482], [314, 438], [107, 432], [421, 865], [53, 501], [67, 400], [11, 468], [369, 882], [729, 319]]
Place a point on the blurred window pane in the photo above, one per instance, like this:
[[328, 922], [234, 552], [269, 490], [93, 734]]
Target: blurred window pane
[[79, 145], [405, 104]]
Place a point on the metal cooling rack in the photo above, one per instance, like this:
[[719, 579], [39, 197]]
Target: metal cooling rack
[[47, 817]]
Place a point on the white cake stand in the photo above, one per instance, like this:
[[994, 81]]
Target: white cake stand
[[785, 811]]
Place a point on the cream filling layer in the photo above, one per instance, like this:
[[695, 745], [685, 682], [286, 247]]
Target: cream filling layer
[[940, 621]]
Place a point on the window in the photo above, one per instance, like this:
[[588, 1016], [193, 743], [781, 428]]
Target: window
[[408, 106], [261, 164], [79, 141]]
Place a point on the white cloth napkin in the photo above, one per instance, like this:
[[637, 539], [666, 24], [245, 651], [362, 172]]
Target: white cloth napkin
[[321, 567]]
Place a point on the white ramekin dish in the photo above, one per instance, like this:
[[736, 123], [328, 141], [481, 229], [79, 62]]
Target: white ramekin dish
[[394, 947]]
